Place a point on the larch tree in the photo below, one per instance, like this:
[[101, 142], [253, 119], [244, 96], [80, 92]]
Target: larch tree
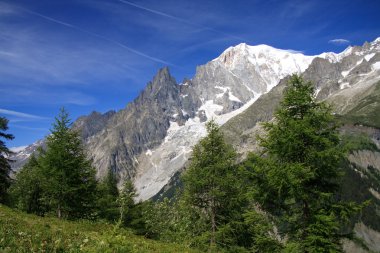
[[211, 185], [71, 183], [298, 177]]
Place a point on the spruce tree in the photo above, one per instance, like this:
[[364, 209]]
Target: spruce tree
[[211, 185], [298, 177], [71, 183], [5, 168]]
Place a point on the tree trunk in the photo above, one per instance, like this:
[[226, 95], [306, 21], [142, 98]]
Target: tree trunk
[[213, 225], [59, 211]]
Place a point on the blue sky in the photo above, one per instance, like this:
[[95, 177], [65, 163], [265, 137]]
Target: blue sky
[[98, 55]]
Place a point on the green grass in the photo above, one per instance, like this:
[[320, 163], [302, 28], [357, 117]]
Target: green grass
[[20, 232]]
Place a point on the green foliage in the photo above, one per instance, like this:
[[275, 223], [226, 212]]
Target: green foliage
[[27, 193], [298, 176], [106, 201], [212, 189], [70, 186], [262, 232], [62, 179], [20, 232], [172, 221], [5, 168], [126, 202]]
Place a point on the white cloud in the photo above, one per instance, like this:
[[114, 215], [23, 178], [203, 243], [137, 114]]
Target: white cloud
[[181, 20], [22, 115], [339, 42]]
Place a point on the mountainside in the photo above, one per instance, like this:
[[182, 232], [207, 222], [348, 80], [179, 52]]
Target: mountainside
[[151, 139]]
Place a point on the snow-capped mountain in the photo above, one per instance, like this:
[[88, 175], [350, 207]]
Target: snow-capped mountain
[[152, 138]]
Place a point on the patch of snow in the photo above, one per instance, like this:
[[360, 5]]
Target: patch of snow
[[173, 128], [175, 115], [183, 96], [330, 56], [344, 85], [148, 152], [224, 89], [369, 56], [345, 73], [184, 113], [232, 97], [211, 109], [17, 149], [376, 65]]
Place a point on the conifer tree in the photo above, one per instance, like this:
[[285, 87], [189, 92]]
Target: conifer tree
[[5, 168], [126, 202], [71, 183], [108, 194], [27, 192], [298, 177], [210, 183]]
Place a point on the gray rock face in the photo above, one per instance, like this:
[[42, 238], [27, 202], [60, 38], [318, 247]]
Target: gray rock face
[[138, 127], [92, 124]]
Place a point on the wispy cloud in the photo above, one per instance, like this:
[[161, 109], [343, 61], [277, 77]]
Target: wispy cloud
[[122, 45], [182, 20], [6, 9], [339, 42], [30, 128], [25, 116]]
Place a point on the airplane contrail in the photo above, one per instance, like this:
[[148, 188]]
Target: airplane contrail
[[98, 36], [20, 114], [178, 19]]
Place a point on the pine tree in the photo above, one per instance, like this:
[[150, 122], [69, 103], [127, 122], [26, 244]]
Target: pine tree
[[71, 183], [299, 175], [5, 168], [210, 183]]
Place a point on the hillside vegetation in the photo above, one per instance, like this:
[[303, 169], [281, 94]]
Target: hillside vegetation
[[366, 112], [20, 232]]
